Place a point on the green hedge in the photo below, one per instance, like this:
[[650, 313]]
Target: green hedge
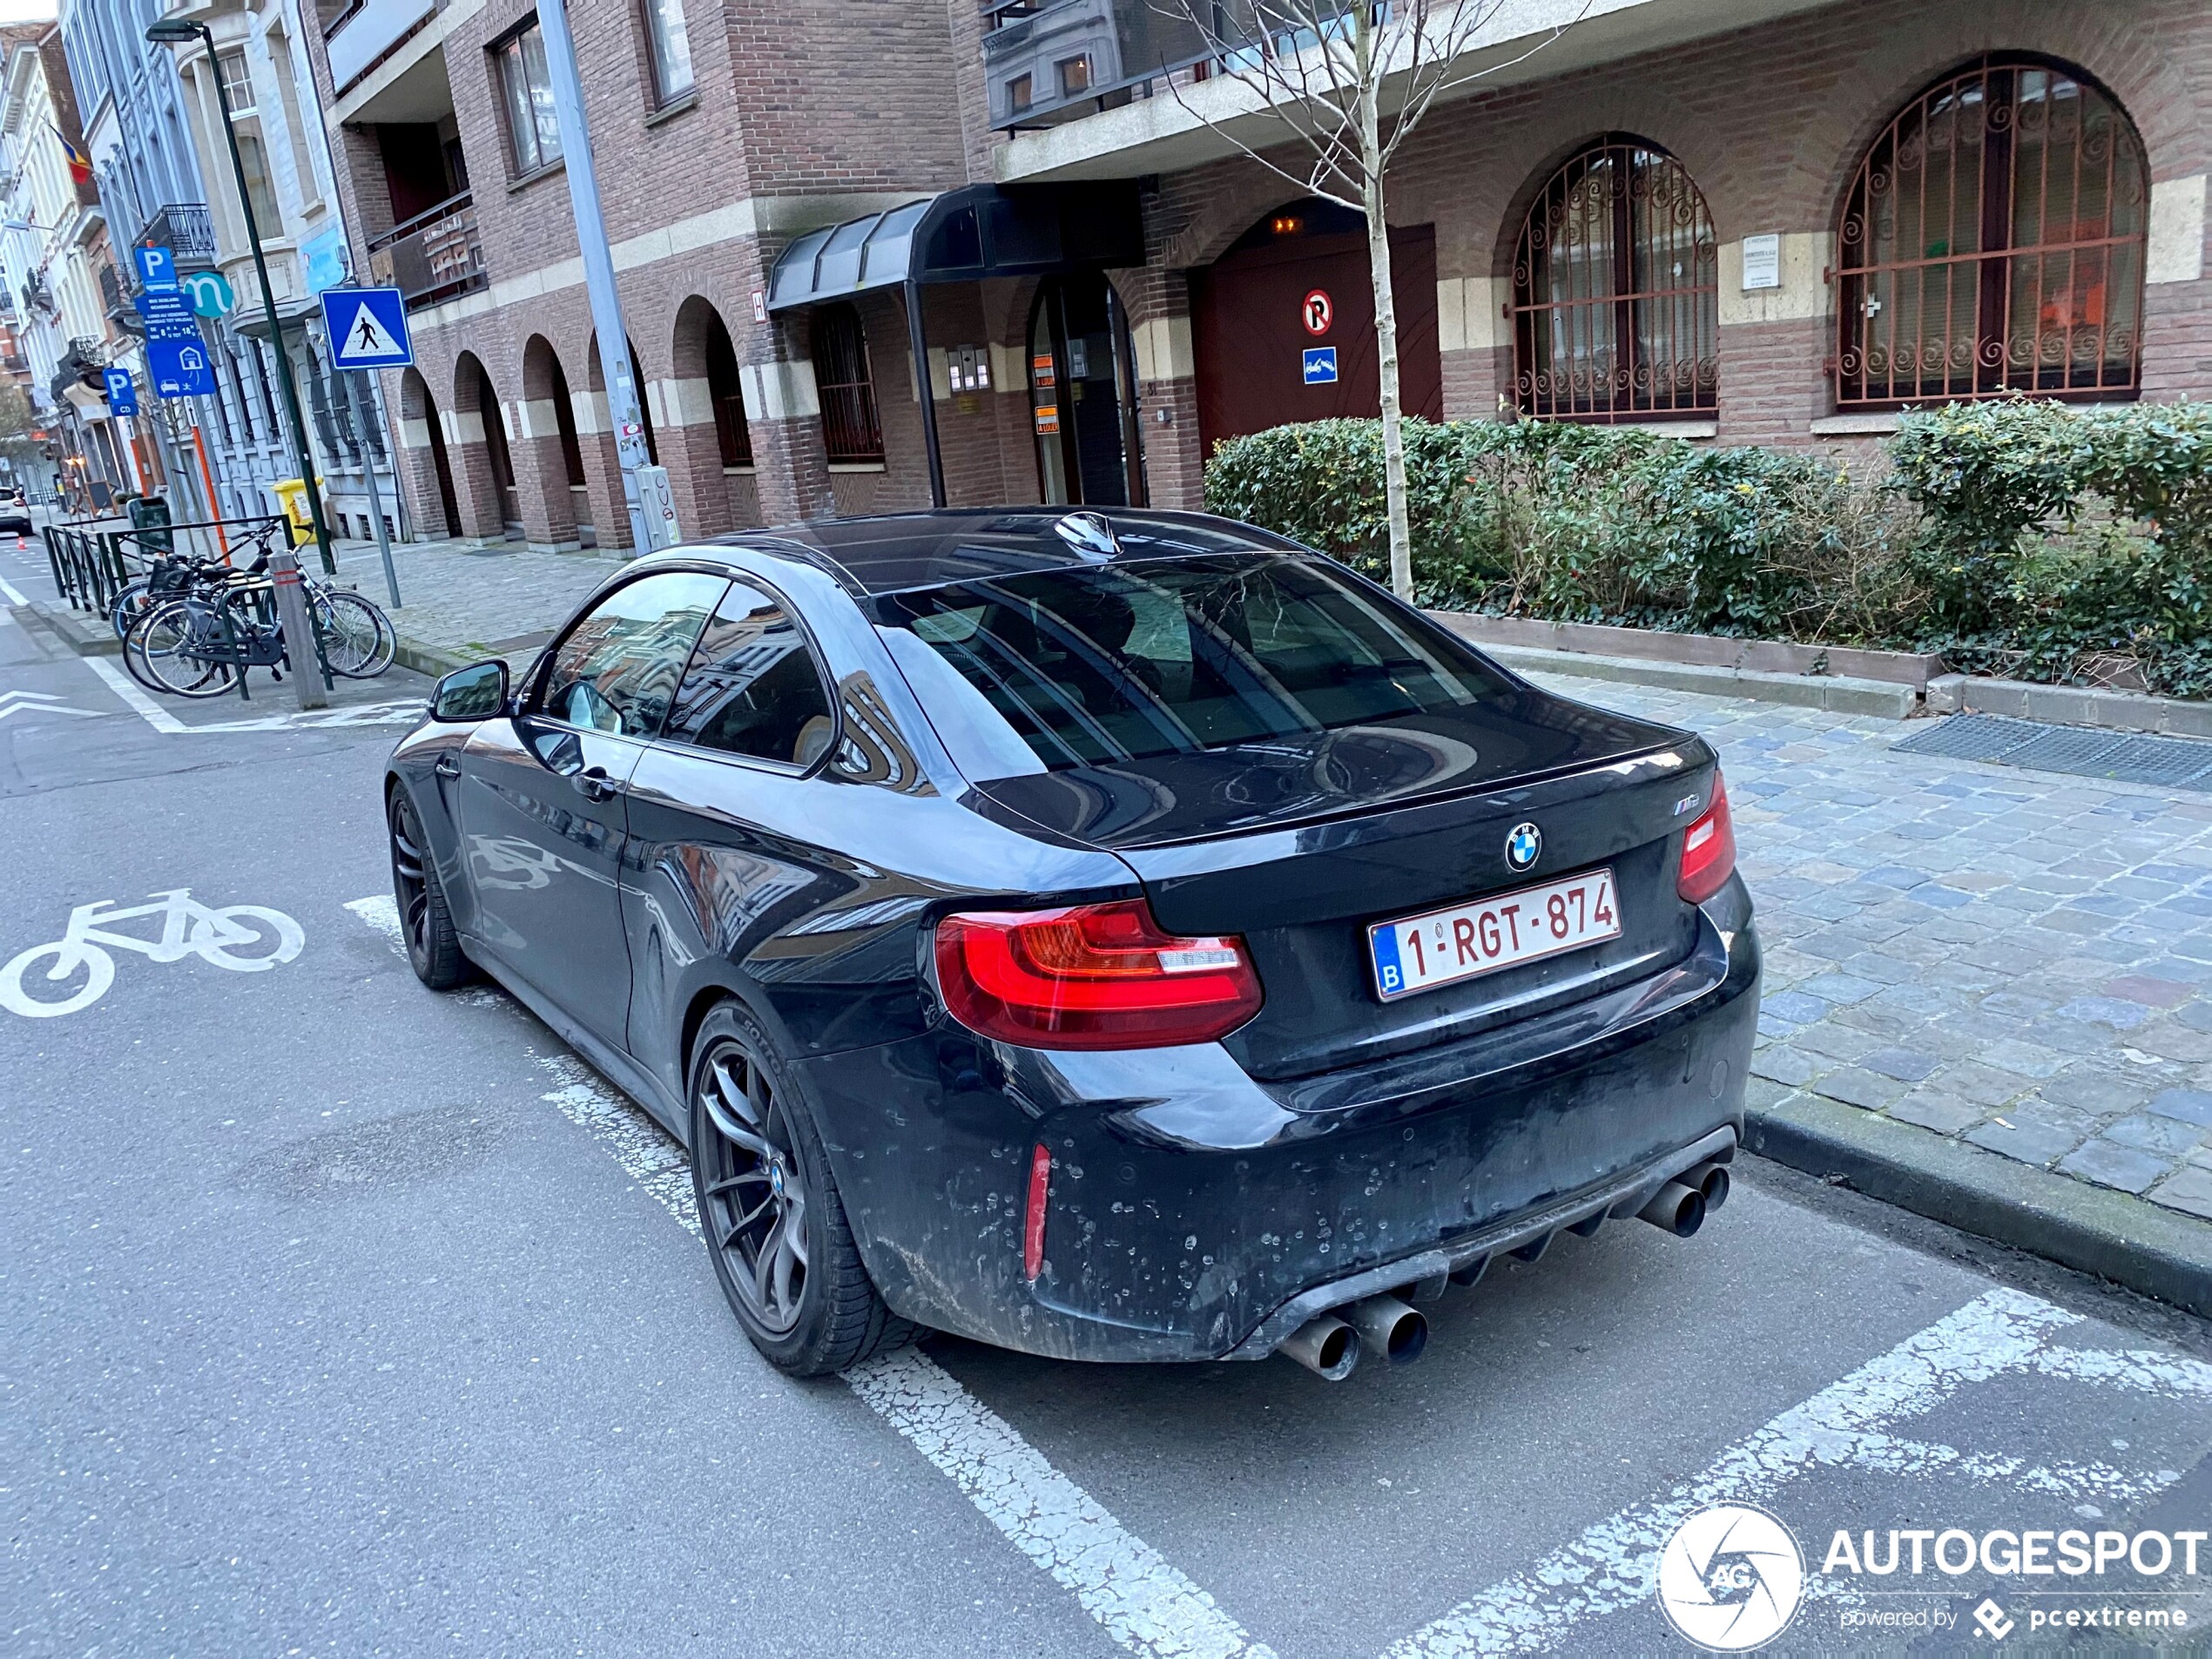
[[2018, 537]]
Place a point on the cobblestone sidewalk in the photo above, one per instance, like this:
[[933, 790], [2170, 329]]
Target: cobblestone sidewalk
[[2019, 961], [465, 601]]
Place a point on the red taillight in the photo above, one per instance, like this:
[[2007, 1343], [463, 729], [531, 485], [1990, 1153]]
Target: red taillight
[[1091, 976], [1709, 849], [1033, 1217]]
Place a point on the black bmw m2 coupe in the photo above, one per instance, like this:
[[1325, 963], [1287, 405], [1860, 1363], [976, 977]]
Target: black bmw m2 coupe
[[1116, 936]]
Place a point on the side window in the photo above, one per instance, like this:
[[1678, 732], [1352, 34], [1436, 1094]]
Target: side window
[[618, 670], [752, 689]]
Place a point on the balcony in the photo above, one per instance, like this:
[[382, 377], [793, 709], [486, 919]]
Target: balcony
[[359, 39], [434, 256], [186, 230], [118, 303], [1052, 60]]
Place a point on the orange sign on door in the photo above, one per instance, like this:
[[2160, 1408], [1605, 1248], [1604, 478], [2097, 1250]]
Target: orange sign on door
[[1048, 419]]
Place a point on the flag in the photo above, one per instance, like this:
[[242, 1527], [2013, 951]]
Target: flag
[[80, 164]]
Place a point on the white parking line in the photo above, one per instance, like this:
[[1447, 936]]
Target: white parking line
[[1615, 1564], [399, 712], [11, 593], [1142, 1600], [1152, 1608]]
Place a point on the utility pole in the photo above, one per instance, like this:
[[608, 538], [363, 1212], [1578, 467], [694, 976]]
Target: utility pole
[[284, 562], [645, 487]]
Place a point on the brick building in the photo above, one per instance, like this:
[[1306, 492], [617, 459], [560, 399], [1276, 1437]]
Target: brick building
[[1746, 220]]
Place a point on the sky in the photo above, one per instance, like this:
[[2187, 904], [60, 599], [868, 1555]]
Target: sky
[[26, 11]]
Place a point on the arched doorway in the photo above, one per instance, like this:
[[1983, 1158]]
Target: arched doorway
[[1082, 394], [417, 404], [475, 387], [1283, 324]]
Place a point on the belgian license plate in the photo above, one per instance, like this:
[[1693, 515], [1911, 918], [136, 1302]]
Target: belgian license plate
[[1464, 940]]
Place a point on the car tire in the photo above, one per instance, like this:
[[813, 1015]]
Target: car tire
[[426, 924], [755, 1149]]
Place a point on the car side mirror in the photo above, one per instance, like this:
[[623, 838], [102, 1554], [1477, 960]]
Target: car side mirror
[[475, 692]]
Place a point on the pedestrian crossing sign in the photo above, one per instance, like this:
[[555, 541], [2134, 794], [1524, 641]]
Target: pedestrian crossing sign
[[368, 327]]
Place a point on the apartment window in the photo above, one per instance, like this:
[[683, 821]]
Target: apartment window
[[1074, 76], [256, 160], [850, 430], [1992, 243], [1019, 94], [238, 80], [671, 49], [527, 90]]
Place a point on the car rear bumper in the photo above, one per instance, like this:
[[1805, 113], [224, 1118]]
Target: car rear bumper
[[1193, 1213]]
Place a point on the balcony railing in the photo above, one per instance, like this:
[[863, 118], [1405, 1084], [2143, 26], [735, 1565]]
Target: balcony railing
[[187, 229], [433, 256], [112, 294], [367, 31]]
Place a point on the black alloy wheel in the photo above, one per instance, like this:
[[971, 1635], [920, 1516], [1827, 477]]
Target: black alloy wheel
[[433, 944], [774, 1226]]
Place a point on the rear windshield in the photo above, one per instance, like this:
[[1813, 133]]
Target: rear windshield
[[1095, 664]]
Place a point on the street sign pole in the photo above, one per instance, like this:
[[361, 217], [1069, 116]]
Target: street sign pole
[[652, 529], [376, 502]]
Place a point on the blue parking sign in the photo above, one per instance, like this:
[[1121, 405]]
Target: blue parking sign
[[157, 269], [122, 391], [1320, 365], [367, 328]]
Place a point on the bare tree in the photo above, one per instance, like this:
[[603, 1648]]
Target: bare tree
[[1337, 89]]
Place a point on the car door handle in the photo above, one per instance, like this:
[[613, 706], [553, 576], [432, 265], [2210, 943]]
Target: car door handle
[[593, 784], [447, 766]]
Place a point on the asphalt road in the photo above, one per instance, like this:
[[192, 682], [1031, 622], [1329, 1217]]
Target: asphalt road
[[341, 1316]]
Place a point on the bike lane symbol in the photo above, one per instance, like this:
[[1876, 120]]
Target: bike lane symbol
[[244, 938]]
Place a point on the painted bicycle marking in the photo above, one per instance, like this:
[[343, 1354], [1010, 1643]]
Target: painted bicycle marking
[[244, 938]]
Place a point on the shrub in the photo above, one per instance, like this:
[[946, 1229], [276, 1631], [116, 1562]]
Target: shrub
[[2016, 536]]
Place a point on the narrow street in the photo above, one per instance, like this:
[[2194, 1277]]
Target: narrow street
[[348, 1316]]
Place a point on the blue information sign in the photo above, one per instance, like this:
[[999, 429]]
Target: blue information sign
[[157, 269], [168, 316], [1320, 365], [179, 367], [367, 328], [122, 391]]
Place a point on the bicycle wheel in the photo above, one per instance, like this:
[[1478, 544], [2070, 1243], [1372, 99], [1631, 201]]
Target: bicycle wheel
[[240, 927], [99, 973], [357, 637], [157, 651], [133, 600]]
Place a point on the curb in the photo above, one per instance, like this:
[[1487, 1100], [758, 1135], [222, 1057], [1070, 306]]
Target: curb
[[433, 660], [2092, 1230], [93, 638], [1883, 699]]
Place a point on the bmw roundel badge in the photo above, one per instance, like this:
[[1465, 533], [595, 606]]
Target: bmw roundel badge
[[1524, 847]]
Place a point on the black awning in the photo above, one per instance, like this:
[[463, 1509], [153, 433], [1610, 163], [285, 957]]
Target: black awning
[[965, 235]]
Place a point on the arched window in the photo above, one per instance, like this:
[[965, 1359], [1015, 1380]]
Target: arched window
[[1993, 242], [1616, 290], [850, 430]]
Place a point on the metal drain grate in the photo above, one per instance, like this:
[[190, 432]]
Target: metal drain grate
[[2125, 757]]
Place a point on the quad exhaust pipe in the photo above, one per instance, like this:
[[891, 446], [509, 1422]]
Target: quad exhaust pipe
[[1330, 1344]]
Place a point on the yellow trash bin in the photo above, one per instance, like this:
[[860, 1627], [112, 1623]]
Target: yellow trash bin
[[294, 494]]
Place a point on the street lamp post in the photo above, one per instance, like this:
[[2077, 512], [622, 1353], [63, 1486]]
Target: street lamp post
[[284, 566]]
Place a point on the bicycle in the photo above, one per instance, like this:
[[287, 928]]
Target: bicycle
[[213, 936], [198, 625]]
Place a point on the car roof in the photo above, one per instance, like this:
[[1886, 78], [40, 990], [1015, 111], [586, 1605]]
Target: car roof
[[894, 552]]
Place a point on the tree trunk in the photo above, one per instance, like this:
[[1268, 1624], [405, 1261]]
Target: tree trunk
[[1371, 167]]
